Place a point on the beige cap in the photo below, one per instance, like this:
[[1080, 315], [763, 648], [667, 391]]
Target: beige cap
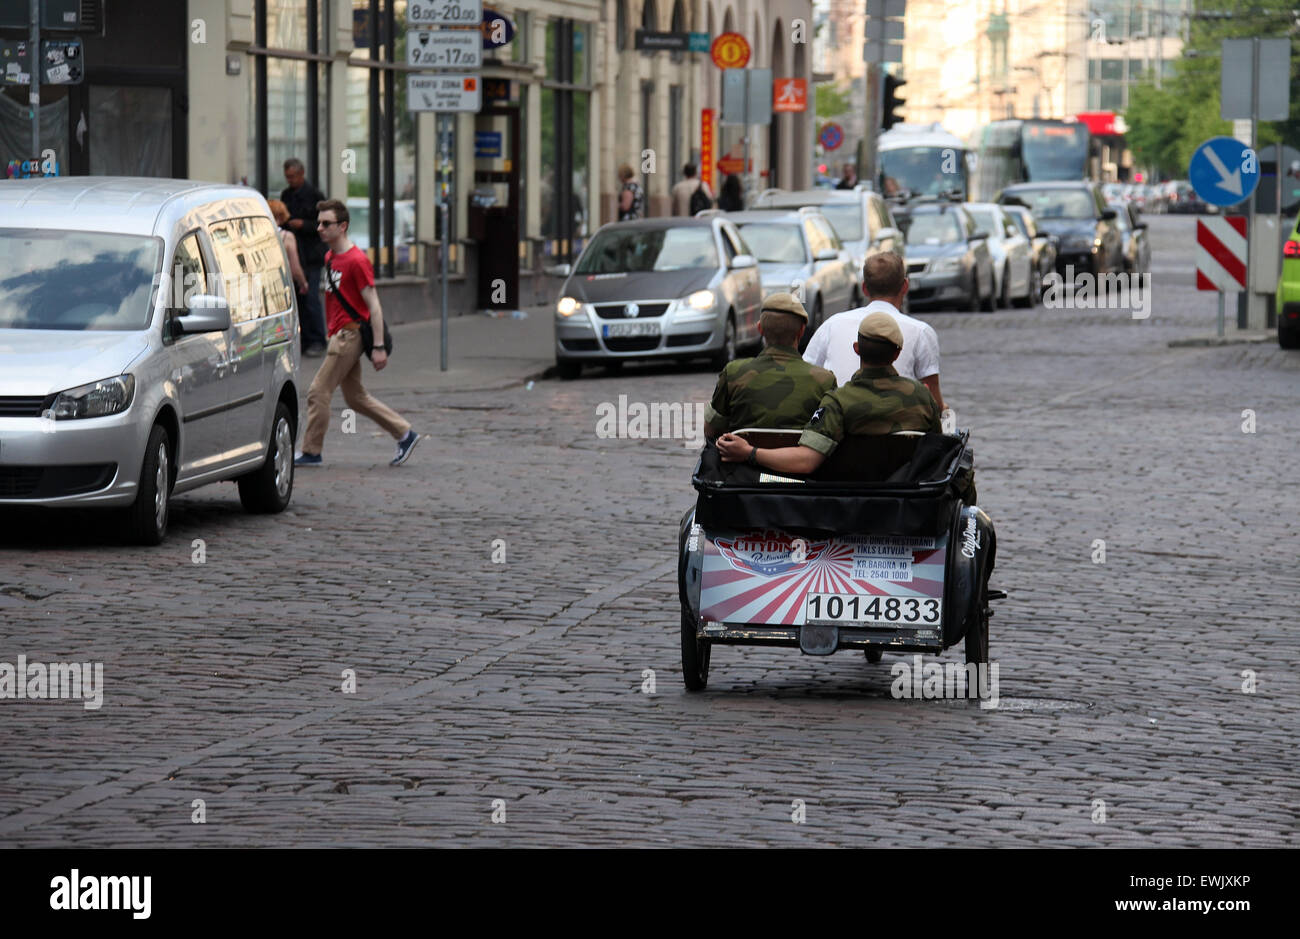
[[786, 303], [880, 326]]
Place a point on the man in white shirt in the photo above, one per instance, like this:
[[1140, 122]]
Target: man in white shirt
[[885, 283]]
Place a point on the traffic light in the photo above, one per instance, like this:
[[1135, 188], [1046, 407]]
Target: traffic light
[[892, 102]]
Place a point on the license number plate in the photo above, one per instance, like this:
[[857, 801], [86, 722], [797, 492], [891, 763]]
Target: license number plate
[[865, 608], [630, 330]]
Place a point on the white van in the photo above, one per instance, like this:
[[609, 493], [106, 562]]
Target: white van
[[148, 346]]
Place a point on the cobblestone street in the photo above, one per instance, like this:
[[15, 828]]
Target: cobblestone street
[[523, 681]]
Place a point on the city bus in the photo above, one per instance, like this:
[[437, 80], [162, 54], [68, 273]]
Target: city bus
[[1029, 151], [922, 160]]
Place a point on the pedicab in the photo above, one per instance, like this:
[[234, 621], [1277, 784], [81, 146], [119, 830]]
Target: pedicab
[[883, 549]]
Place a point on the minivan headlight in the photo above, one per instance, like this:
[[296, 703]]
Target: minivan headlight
[[701, 300], [567, 306], [97, 399]]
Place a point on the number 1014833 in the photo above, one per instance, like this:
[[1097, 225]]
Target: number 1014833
[[863, 608]]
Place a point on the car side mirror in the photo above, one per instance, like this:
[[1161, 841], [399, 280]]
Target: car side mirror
[[1140, 225], [979, 236], [742, 261], [886, 233], [1043, 235], [830, 254], [559, 270], [1109, 215], [203, 313]]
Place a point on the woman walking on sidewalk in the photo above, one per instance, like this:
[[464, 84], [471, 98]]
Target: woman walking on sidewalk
[[351, 289]]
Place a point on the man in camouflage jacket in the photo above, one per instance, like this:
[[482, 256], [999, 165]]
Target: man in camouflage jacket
[[776, 388], [877, 401]]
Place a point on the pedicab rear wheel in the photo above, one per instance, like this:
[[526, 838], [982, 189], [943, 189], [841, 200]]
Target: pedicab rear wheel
[[976, 643], [695, 654]]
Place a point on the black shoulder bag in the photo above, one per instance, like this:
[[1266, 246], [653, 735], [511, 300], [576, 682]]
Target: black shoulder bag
[[367, 332]]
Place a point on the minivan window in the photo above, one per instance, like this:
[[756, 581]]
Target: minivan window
[[846, 218], [252, 267], [73, 280]]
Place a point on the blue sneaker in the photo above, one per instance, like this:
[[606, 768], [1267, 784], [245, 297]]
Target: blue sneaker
[[404, 448], [308, 459]]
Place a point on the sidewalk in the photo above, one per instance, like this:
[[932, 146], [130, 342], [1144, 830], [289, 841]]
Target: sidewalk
[[484, 353]]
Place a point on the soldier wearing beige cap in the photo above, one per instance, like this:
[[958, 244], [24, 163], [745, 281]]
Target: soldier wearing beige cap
[[776, 388], [877, 401]]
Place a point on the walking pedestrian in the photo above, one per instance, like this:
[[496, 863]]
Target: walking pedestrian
[[351, 291], [290, 242], [691, 195], [631, 197], [849, 177], [731, 199], [301, 199]]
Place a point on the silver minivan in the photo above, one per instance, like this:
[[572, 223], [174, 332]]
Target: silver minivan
[[148, 346]]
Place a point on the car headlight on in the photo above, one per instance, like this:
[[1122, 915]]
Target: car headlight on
[[567, 306], [701, 300], [97, 399]]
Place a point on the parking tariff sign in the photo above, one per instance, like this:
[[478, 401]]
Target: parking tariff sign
[[443, 92], [444, 13], [446, 48]]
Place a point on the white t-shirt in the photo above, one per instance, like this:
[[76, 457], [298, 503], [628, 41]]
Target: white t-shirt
[[831, 347]]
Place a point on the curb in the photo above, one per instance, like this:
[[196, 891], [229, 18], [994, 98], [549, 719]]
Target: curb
[[1240, 339]]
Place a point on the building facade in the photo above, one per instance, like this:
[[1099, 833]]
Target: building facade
[[226, 90], [969, 62]]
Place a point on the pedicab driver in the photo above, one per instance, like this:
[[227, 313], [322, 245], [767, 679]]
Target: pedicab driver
[[776, 388], [876, 401]]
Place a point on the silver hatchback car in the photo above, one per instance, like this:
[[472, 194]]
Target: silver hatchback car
[[148, 346]]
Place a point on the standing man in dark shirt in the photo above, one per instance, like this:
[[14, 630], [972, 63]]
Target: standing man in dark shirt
[[301, 198]]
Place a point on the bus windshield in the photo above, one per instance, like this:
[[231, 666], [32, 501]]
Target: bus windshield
[[928, 171], [1054, 151]]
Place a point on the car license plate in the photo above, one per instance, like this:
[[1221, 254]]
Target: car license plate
[[870, 608], [630, 330]]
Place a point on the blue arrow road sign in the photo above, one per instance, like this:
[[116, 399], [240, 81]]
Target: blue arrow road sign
[[1223, 171]]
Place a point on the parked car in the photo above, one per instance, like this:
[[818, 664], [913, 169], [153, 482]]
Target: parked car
[[1043, 244], [861, 219], [1288, 293], [1137, 244], [1013, 258], [948, 258], [658, 288], [148, 346], [1184, 200], [798, 251], [1090, 240]]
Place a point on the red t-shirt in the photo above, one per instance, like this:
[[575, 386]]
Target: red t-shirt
[[349, 273]]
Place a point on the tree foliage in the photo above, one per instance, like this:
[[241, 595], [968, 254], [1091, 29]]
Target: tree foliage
[[831, 101], [1167, 124]]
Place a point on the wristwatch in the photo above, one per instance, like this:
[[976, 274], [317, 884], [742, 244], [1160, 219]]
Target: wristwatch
[[752, 459]]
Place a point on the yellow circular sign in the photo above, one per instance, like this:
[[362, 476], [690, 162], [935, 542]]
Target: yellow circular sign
[[730, 50]]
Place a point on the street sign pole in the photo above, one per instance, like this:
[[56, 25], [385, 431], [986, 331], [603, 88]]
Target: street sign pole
[[1252, 300], [444, 205], [34, 67]]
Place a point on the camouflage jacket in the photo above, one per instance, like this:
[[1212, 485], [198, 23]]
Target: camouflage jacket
[[775, 388], [876, 401]]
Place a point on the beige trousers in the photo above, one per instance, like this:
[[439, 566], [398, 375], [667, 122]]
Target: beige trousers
[[342, 366]]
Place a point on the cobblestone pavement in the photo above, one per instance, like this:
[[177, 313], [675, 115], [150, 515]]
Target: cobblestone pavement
[[522, 681]]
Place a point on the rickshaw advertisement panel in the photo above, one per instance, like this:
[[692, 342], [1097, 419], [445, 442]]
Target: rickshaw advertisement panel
[[773, 578]]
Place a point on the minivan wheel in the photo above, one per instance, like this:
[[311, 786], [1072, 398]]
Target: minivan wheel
[[269, 488], [145, 520]]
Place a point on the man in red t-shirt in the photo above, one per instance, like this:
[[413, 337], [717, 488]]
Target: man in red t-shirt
[[351, 284]]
